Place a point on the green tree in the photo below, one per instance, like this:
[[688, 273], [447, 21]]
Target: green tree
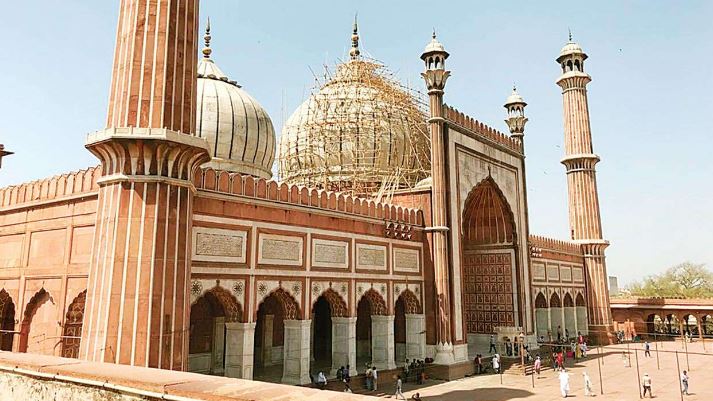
[[686, 280]]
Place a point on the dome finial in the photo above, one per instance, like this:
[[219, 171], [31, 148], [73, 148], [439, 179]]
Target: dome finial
[[570, 34], [514, 88], [207, 50], [354, 51], [434, 33]]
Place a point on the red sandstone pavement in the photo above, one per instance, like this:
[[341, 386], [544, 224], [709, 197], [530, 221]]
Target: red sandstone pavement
[[619, 382]]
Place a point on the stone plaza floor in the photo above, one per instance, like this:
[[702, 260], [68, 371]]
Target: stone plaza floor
[[619, 382]]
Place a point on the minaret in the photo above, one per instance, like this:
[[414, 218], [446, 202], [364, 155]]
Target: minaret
[[434, 57], [138, 288], [580, 161], [516, 120]]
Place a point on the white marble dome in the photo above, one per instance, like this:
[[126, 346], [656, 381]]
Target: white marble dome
[[239, 132]]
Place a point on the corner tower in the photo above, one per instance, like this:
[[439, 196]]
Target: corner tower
[[138, 287], [580, 161]]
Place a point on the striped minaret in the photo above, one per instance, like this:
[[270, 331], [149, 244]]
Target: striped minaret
[[137, 309], [580, 161]]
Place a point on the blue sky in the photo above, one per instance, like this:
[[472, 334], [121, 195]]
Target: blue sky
[[651, 98]]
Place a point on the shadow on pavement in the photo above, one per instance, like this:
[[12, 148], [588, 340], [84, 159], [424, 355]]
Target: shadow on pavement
[[481, 394]]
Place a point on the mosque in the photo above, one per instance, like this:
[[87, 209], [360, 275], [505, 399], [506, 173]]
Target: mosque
[[397, 226]]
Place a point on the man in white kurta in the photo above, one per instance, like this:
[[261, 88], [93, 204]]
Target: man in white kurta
[[564, 383]]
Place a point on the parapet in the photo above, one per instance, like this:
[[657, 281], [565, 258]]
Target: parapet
[[224, 182], [475, 127], [59, 186], [539, 243]]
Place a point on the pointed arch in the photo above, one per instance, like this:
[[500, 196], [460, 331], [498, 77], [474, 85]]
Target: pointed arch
[[290, 307], [487, 216], [37, 300], [567, 301], [376, 302], [232, 310], [72, 330], [337, 305], [555, 301], [7, 321], [411, 303], [540, 301], [579, 301]]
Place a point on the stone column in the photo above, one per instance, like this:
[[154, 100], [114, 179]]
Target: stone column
[[382, 342], [217, 358], [415, 336], [267, 329], [582, 320], [239, 350], [296, 352], [344, 344], [137, 309]]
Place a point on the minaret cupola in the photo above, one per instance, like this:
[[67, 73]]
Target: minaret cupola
[[516, 120]]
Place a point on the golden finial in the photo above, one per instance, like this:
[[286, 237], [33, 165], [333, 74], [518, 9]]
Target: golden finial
[[207, 50], [354, 51], [570, 34]]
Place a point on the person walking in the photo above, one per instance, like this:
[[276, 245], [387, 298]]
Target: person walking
[[646, 384], [587, 385], [479, 363], [496, 363], [564, 383], [684, 382], [492, 344], [647, 349], [369, 379], [399, 392], [538, 365]]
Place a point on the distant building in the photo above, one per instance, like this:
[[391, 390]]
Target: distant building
[[613, 286]]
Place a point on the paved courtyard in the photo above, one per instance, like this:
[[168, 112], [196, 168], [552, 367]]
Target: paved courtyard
[[619, 382]]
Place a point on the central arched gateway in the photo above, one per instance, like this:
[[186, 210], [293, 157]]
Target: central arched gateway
[[489, 244]]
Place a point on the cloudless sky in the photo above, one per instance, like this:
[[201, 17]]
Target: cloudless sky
[[651, 99]]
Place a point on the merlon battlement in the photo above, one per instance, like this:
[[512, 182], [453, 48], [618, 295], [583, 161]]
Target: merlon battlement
[[59, 186], [453, 116]]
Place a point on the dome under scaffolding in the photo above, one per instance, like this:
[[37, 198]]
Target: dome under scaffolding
[[360, 131]]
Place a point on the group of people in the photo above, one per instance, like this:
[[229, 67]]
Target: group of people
[[646, 384], [415, 371], [564, 384]]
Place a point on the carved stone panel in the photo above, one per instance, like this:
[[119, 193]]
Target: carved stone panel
[[577, 274], [219, 245], [566, 273], [326, 253], [538, 271], [280, 250], [406, 260], [553, 273], [371, 257]]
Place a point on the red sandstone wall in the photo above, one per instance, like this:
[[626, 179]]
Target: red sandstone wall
[[46, 230]]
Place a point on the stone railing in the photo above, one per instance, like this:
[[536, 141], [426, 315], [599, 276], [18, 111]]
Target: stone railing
[[208, 179], [454, 116], [60, 186], [31, 377], [539, 243]]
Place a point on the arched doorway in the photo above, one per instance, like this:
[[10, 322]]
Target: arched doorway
[[328, 310], [489, 244], [7, 321], [207, 335], [542, 317], [370, 305], [270, 340], [707, 325], [581, 309], [570, 317], [690, 325], [655, 325], [672, 325], [72, 330], [556, 322], [39, 325], [408, 322]]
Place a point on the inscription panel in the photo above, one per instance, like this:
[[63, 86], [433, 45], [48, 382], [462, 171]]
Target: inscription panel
[[326, 253], [406, 260], [577, 274], [280, 250], [553, 272], [371, 257], [538, 272], [566, 273], [487, 292], [219, 245]]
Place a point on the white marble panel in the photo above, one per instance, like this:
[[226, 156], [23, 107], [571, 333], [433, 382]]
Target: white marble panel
[[406, 260], [369, 256], [219, 245], [280, 250], [327, 253]]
